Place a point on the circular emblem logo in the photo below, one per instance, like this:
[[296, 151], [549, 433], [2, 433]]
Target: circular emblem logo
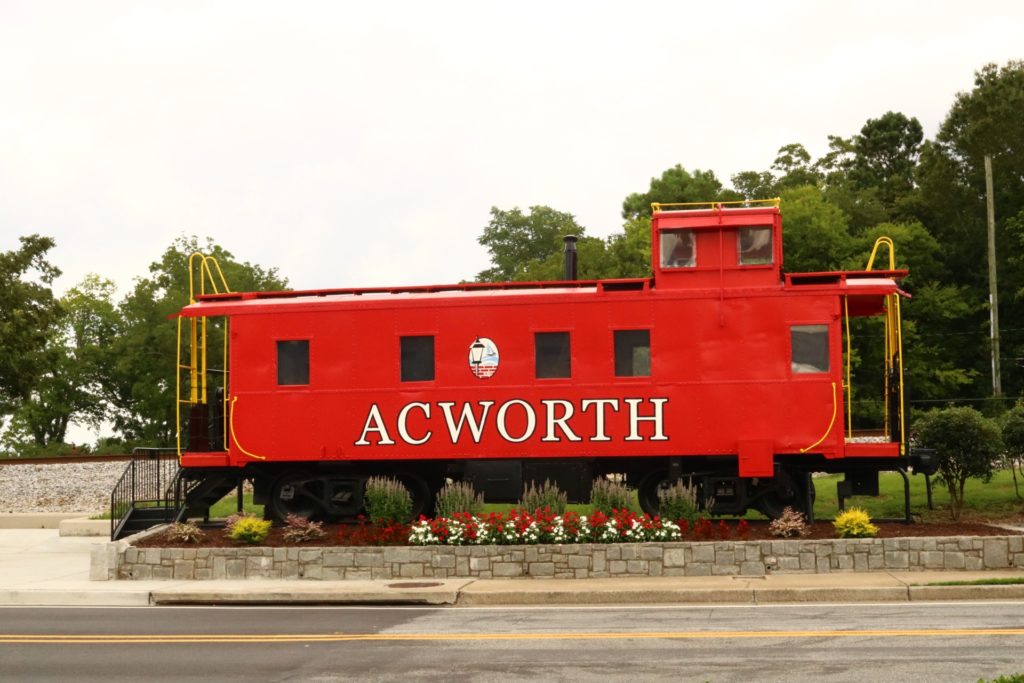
[[483, 357]]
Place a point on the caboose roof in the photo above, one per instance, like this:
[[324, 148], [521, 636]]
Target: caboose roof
[[852, 283]]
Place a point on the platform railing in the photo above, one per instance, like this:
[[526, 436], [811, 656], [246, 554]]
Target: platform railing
[[149, 481]]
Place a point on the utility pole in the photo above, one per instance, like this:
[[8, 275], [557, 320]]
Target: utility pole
[[993, 295]]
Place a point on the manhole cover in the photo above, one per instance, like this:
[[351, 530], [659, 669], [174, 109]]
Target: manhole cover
[[414, 584]]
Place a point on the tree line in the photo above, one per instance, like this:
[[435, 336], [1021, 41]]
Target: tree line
[[90, 358], [885, 179]]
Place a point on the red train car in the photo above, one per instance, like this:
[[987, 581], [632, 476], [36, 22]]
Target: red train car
[[719, 368]]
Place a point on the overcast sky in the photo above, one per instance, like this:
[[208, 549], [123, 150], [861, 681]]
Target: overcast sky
[[363, 144]]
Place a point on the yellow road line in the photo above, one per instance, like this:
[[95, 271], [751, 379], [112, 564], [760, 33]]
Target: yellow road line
[[94, 639]]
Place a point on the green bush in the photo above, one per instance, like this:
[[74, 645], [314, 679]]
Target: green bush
[[967, 444], [387, 500], [458, 496], [679, 502], [854, 523], [184, 532], [607, 495], [250, 530], [547, 496]]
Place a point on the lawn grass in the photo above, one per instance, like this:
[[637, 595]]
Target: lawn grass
[[1008, 581], [993, 499], [982, 500]]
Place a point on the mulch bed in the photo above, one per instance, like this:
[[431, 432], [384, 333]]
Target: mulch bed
[[351, 535]]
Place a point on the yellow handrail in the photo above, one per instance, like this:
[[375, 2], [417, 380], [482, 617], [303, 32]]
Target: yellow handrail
[[831, 423], [234, 437], [658, 206], [892, 253], [849, 355], [893, 343], [209, 272]]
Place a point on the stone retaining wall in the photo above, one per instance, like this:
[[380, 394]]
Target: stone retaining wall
[[724, 558]]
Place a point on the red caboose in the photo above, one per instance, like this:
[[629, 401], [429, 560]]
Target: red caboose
[[718, 368]]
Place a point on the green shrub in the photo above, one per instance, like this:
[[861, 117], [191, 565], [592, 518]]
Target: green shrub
[[250, 530], [184, 532], [458, 496], [607, 495], [967, 444], [790, 525], [679, 502], [301, 530], [547, 496], [1013, 440], [387, 500], [854, 523]]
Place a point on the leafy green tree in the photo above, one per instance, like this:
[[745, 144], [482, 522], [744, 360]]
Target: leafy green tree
[[816, 237], [529, 246], [794, 168], [885, 156], [1013, 440], [74, 361], [28, 310], [141, 383], [677, 185], [967, 443]]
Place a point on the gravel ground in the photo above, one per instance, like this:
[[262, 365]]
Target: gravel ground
[[72, 487]]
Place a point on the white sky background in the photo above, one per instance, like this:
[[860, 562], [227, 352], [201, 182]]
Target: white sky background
[[350, 144]]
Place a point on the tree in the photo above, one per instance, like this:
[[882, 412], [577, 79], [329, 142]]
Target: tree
[[816, 237], [529, 246], [74, 361], [28, 310], [1013, 440], [967, 443], [141, 382], [677, 185], [885, 156]]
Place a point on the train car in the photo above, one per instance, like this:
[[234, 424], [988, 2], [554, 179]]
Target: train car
[[719, 369]]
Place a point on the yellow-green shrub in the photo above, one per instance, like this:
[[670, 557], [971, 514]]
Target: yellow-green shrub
[[250, 530], [854, 523]]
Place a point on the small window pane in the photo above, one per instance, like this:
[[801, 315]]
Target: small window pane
[[678, 249], [754, 246], [810, 348], [632, 353], [417, 359], [293, 362], [552, 354]]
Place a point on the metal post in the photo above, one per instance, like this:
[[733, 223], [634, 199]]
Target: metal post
[[993, 294], [241, 482], [928, 490]]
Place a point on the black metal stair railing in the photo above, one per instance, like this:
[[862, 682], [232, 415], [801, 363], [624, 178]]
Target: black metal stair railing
[[149, 483]]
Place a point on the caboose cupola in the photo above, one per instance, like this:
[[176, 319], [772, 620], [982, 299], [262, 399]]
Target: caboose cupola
[[707, 245]]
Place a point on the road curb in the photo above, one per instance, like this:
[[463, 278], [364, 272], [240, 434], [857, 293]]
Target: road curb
[[982, 592], [477, 598], [74, 598], [832, 594]]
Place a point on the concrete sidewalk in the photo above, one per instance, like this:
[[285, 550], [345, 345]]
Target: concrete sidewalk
[[39, 567]]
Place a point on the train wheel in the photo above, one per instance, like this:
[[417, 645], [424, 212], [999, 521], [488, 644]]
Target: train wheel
[[783, 491], [647, 491], [297, 494], [423, 494]]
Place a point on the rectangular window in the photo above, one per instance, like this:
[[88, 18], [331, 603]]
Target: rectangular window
[[417, 359], [754, 246], [678, 249], [632, 353], [810, 348], [293, 362], [551, 351]]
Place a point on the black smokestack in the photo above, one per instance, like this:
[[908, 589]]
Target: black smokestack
[[569, 265]]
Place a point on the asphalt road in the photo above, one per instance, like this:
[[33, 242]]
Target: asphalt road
[[887, 642]]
